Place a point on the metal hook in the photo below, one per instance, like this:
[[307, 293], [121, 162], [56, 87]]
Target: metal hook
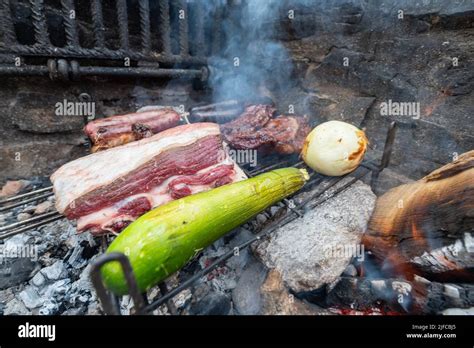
[[106, 297], [387, 153]]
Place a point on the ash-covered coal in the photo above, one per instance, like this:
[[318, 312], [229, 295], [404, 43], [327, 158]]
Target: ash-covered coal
[[315, 249], [54, 272], [54, 279]]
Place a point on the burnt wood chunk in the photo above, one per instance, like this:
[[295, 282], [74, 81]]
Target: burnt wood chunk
[[425, 227]]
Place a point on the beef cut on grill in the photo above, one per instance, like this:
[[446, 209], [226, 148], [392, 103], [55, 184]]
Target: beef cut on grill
[[257, 129], [287, 133], [118, 130], [107, 190]]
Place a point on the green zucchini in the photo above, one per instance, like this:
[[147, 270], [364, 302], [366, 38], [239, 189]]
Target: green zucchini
[[163, 240]]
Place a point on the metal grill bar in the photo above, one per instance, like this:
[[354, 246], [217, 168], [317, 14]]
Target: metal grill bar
[[70, 24], [170, 304], [96, 53], [25, 195], [28, 221], [98, 23], [387, 153], [39, 23], [224, 104], [165, 28], [129, 277], [14, 205], [183, 28], [6, 22], [100, 52], [109, 71], [122, 18], [199, 29], [144, 6], [32, 226], [216, 40], [137, 72]]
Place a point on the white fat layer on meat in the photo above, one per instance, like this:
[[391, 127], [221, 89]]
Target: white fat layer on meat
[[156, 196], [76, 178]]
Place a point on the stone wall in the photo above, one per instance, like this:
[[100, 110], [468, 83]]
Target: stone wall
[[425, 57], [35, 141]]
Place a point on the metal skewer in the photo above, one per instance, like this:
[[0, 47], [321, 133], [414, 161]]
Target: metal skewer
[[220, 105], [29, 200], [25, 195], [29, 227], [28, 221]]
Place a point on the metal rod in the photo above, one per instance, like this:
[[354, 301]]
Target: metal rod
[[28, 221], [169, 304], [107, 71], [141, 71], [224, 104], [70, 25], [98, 23], [361, 172], [122, 18], [387, 153], [6, 22], [39, 22], [24, 70], [271, 166], [165, 28], [217, 116], [26, 228], [217, 35], [100, 53], [388, 146], [105, 299], [144, 6], [25, 195], [11, 206], [199, 29], [183, 28]]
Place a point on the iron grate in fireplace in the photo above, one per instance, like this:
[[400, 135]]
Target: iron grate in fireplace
[[165, 38]]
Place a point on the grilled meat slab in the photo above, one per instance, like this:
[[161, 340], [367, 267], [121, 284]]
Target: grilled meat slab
[[287, 133], [118, 130], [107, 190], [256, 129]]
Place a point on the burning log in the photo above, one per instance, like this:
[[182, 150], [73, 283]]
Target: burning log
[[393, 296], [424, 227]]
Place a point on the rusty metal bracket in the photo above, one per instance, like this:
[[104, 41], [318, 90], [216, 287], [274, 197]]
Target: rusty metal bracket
[[108, 300], [387, 154]]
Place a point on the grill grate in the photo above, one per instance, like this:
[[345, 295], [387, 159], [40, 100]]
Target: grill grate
[[319, 194], [320, 191], [161, 25]]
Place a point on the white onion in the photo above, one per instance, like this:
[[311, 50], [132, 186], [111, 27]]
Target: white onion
[[334, 148]]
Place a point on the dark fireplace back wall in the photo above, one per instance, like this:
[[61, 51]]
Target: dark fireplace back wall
[[349, 57], [35, 141], [422, 55]]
